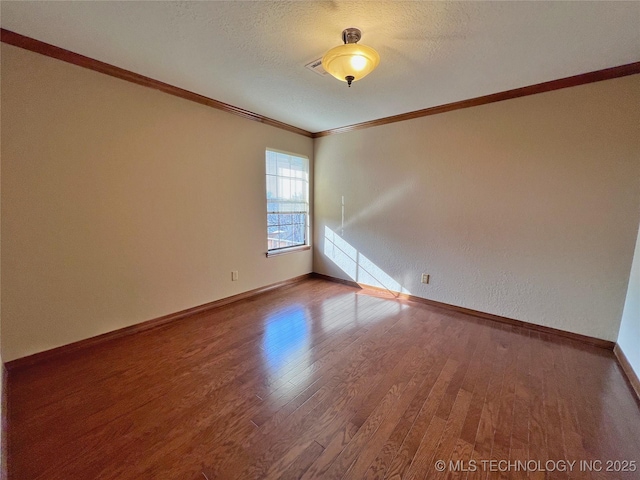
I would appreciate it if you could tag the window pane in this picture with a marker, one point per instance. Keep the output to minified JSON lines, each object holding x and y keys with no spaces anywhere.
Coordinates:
{"x":284,"y":219}
{"x":284,"y":164}
{"x":271,"y":163}
{"x":298,"y":233}
{"x":272,"y":191}
{"x":287,"y":199}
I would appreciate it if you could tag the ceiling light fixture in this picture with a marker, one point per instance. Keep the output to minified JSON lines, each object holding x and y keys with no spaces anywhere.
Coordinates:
{"x":350,"y":62}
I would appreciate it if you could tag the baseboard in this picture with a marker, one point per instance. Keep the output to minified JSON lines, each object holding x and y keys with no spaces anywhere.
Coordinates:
{"x":47,"y":355}
{"x":598,"y":342}
{"x":630,"y":374}
{"x":350,"y":283}
{"x":4,"y":419}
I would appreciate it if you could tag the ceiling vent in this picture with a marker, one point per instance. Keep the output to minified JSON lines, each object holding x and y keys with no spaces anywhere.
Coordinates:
{"x":316,"y":67}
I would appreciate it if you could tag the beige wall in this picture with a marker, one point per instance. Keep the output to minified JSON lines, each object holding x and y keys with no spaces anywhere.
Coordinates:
{"x":121,"y":204}
{"x":526,"y":208}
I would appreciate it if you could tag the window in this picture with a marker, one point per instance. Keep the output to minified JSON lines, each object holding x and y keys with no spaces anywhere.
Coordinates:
{"x":287,"y":201}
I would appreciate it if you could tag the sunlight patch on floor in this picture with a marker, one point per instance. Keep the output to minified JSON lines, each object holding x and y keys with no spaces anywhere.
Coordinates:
{"x":357,"y":266}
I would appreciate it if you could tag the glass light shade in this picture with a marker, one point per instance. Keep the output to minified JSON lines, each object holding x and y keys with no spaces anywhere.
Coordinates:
{"x":350,"y":59}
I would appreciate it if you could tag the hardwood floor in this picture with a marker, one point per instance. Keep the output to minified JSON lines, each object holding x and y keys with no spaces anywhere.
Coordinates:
{"x":321,"y":380}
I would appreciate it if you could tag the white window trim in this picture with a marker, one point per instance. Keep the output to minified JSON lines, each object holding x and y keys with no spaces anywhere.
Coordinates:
{"x":307,"y":245}
{"x":284,"y":251}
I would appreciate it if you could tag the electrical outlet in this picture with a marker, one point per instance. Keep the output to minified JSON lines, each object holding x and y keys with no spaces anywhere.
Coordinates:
{"x":425,"y":278}
{"x":234,"y":275}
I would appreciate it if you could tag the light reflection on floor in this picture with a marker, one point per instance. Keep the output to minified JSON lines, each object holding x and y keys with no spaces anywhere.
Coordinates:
{"x":289,"y":334}
{"x":363,"y":311}
{"x":286,"y":337}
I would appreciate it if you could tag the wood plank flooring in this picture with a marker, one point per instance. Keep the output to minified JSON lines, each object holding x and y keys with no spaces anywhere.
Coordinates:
{"x":322,"y":380}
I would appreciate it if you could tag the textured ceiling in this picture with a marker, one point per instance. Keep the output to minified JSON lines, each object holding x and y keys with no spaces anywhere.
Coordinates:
{"x":252,"y":54}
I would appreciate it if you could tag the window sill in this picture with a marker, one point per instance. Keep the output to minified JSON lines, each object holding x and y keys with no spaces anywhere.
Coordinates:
{"x":284,"y":251}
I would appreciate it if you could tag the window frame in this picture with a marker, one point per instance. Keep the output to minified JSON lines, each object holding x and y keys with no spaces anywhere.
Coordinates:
{"x":307,"y":232}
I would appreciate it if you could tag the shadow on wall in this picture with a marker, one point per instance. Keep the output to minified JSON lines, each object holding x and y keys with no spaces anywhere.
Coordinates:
{"x":358,"y":267}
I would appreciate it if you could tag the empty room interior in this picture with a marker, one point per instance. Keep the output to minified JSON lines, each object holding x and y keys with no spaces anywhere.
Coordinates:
{"x":320,"y":239}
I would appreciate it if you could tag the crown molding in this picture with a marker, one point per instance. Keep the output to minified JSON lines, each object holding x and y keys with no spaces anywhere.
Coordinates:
{"x":31,"y":44}
{"x":28,"y":43}
{"x":582,"y":79}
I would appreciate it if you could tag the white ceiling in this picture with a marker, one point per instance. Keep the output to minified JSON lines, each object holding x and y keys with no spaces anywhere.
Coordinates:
{"x":252,"y":54}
